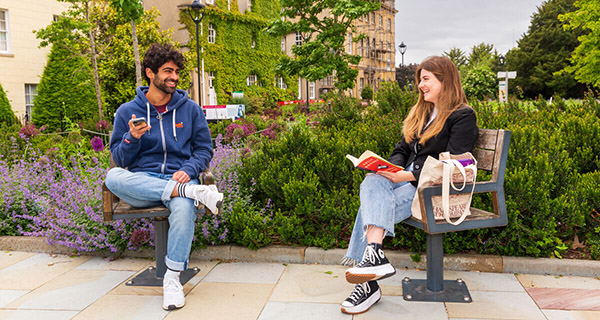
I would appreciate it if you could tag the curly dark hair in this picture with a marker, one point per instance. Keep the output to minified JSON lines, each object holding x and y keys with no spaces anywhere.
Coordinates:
{"x":159,"y":54}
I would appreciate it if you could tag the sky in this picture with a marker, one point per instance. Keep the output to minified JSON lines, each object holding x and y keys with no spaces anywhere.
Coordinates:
{"x":430,"y":27}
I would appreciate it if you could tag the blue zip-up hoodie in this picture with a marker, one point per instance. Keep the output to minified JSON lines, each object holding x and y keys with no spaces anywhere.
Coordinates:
{"x":178,"y":140}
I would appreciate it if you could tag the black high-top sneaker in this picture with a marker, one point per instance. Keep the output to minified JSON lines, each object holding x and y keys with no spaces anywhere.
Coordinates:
{"x":362,"y":298}
{"x":374,"y":266}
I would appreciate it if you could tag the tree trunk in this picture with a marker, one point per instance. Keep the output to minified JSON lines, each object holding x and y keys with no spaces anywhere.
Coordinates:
{"x":95,"y":66}
{"x":136,"y":54}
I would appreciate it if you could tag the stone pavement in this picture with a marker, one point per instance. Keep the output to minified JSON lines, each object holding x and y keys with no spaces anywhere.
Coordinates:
{"x":54,"y":286}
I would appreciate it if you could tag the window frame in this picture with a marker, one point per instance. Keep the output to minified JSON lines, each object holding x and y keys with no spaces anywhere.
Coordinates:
{"x":212,"y":34}
{"x":6,"y":31}
{"x":251,"y":80}
{"x":30,"y":94}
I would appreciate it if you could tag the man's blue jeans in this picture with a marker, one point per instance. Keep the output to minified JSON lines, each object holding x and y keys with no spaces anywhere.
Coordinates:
{"x":382,"y":204}
{"x":147,"y":189}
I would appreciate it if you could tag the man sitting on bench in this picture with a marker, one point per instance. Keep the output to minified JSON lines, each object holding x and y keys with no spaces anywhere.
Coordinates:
{"x":162,"y":165}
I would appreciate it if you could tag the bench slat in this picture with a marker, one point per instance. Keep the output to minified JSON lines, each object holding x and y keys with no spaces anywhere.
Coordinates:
{"x":485,"y":159}
{"x":487,"y":139}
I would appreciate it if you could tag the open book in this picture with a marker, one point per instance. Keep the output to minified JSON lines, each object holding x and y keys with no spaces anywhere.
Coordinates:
{"x":372,"y":162}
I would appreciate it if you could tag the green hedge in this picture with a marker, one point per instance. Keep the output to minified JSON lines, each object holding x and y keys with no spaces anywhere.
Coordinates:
{"x":551,"y":180}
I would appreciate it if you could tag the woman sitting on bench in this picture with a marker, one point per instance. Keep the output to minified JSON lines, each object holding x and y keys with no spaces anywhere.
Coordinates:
{"x":440,"y":121}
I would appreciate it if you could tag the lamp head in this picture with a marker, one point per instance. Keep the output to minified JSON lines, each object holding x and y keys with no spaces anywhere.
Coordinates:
{"x":402,"y":47}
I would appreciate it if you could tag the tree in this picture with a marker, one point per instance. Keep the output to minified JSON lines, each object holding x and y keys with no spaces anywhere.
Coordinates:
{"x":65,"y":90}
{"x":586,"y":56}
{"x":481,"y":53}
{"x":77,"y":30}
{"x":7,"y":116}
{"x":543,"y":51}
{"x":116,"y":65}
{"x":132,"y":10}
{"x":480,"y":82}
{"x":405,"y":75}
{"x":323,"y":26}
{"x":457,"y":56}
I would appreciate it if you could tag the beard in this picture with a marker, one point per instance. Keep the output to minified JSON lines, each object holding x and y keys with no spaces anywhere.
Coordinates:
{"x":162,"y":86}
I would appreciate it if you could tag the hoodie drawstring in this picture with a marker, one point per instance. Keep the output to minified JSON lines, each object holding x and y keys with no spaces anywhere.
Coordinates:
{"x":148,"y":113}
{"x":174,"y":130}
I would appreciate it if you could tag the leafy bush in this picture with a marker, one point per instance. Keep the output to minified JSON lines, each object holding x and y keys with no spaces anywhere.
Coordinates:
{"x":367,"y":93}
{"x":66,"y":91}
{"x":480,"y":83}
{"x":7,"y":116}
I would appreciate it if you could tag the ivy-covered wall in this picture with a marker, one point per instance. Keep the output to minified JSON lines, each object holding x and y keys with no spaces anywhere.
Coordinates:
{"x":232,"y":57}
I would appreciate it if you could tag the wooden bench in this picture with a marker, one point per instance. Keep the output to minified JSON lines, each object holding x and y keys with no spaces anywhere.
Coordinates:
{"x":117,"y":209}
{"x":491,"y":152}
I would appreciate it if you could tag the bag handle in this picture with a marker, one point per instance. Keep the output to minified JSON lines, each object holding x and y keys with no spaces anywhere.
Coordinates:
{"x":448,"y":168}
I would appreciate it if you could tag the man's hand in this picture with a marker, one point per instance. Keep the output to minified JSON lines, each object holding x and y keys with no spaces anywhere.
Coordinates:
{"x":399,"y":176}
{"x":138,"y":131}
{"x":181,"y":177}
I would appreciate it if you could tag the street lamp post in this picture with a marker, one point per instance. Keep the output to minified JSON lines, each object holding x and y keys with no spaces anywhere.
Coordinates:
{"x":402,"y":48}
{"x":195,"y":10}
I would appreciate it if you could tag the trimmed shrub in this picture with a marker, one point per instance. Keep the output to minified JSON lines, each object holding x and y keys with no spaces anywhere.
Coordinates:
{"x":7,"y":116}
{"x":66,"y":90}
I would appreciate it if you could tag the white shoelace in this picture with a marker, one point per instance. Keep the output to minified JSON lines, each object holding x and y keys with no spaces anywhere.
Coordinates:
{"x":359,"y":291}
{"x":369,"y":256}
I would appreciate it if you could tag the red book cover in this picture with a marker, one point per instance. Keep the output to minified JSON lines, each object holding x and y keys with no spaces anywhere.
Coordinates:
{"x":372,"y":162}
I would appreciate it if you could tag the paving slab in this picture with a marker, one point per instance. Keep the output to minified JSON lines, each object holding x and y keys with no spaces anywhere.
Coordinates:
{"x":130,"y":307}
{"x":394,"y":308}
{"x":37,"y":314}
{"x":245,"y":272}
{"x":543,"y":281}
{"x":74,"y":290}
{"x":571,"y":315}
{"x":496,"y":305}
{"x":7,"y":296}
{"x":312,"y":284}
{"x":36,"y":270}
{"x":224,"y":301}
{"x":566,"y":299}
{"x":302,"y":311}
{"x":567,"y":267}
{"x":121,"y":264}
{"x":8,"y":258}
{"x":486,"y":281}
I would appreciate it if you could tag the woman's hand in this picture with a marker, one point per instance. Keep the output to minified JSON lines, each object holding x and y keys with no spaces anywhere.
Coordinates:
{"x":396,"y":177}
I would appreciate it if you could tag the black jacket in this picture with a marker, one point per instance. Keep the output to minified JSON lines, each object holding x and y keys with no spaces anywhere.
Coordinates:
{"x":458,"y":136}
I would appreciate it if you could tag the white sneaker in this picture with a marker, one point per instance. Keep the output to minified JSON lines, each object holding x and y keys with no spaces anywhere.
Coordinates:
{"x":173,"y":297}
{"x":209,"y":196}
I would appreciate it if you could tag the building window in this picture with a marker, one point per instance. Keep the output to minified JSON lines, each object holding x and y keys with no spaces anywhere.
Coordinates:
{"x":298,"y":38}
{"x":373,"y":17}
{"x":349,"y":43}
{"x":389,"y":22}
{"x":328,"y":81}
{"x":30,"y":94}
{"x":280,"y":83}
{"x":4,"y":32}
{"x":251,"y":80}
{"x":253,"y":44}
{"x":212,"y":33}
{"x":283,"y":44}
{"x":361,"y":84}
{"x":249,"y":5}
{"x":211,"y":79}
{"x":381,"y":21}
{"x":367,"y":18}
{"x":360,"y":47}
{"x":311,"y":90}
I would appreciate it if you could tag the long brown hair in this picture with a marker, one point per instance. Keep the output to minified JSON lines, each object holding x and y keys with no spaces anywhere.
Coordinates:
{"x":451,"y":98}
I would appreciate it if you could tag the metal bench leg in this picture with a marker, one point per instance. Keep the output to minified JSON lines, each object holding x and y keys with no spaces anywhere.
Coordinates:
{"x":435,"y":288}
{"x":152,"y":276}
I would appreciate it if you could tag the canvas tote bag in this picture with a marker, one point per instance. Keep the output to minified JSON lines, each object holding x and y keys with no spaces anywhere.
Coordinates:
{"x":447,"y":172}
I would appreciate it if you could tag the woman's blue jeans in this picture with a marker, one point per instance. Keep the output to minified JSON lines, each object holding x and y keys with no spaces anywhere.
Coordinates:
{"x":382,"y":204}
{"x":147,"y":189}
